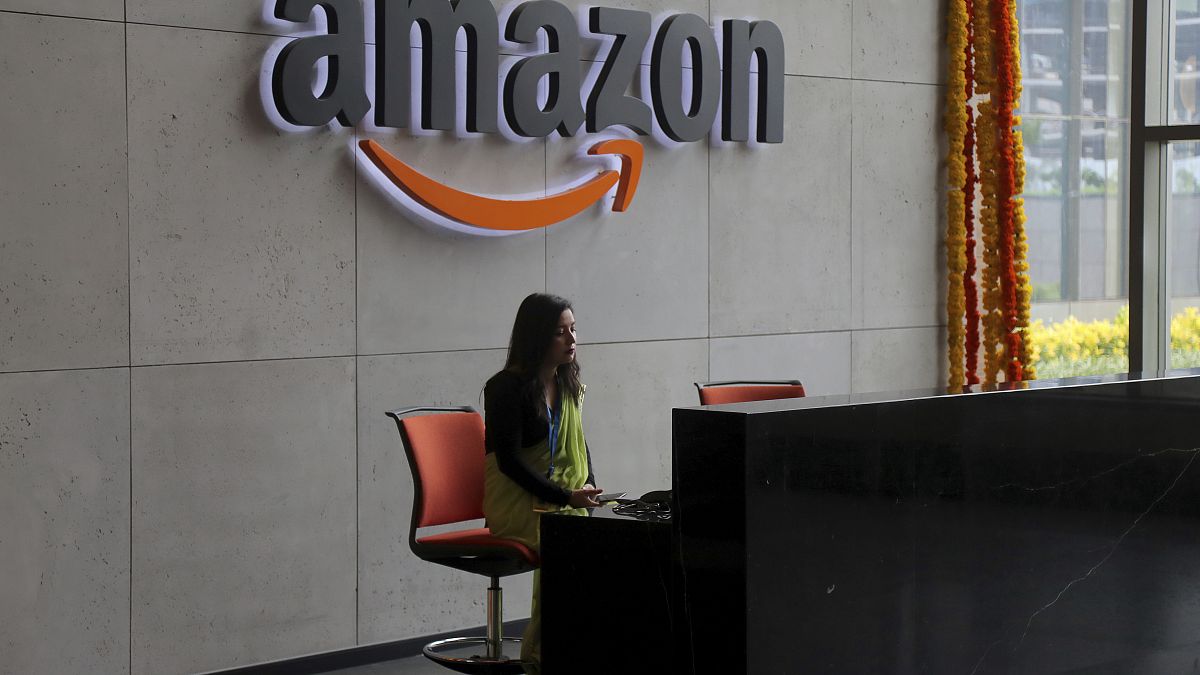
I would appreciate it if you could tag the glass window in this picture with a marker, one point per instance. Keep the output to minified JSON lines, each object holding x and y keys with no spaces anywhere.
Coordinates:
{"x":1103,"y":210}
{"x":1183,"y":254}
{"x":1045,"y":202}
{"x":1185,"y":61}
{"x":1045,"y":56}
{"x":1075,"y":123}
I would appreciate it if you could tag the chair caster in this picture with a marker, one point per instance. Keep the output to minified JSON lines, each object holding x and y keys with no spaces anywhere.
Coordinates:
{"x":467,"y":655}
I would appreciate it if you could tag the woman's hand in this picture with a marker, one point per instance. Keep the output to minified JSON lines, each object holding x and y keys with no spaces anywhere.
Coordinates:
{"x":585,"y":497}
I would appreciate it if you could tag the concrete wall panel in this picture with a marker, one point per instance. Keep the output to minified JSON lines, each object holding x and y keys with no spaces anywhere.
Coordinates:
{"x":424,"y":288}
{"x":631,"y":389}
{"x":242,"y":235}
{"x":899,"y":259}
{"x":820,"y":360}
{"x":243,"y":513}
{"x":780,"y":243}
{"x":400,"y":595}
{"x":906,"y":358}
{"x":64,"y":493}
{"x":641,"y":274}
{"x":111,"y":10}
{"x":63,"y":179}
{"x":816,"y":34}
{"x":900,"y":40}
{"x":242,"y":16}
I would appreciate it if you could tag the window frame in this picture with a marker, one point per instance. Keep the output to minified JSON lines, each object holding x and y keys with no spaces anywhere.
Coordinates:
{"x":1150,"y":136}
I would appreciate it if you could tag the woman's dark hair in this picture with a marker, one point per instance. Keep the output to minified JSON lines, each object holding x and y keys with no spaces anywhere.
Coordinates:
{"x":533,"y":331}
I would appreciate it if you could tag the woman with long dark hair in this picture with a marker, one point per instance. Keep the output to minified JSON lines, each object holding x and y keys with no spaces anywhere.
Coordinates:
{"x":537,"y":458}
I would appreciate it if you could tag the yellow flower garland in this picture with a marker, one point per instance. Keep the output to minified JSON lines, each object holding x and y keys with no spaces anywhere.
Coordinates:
{"x":1024,"y":290}
{"x":956,"y":237}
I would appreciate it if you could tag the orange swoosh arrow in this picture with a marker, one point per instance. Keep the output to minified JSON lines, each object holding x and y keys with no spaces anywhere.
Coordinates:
{"x":516,"y":214}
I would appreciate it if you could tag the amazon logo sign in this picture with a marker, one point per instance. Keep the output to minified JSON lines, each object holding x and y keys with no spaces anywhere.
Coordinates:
{"x":726,"y":80}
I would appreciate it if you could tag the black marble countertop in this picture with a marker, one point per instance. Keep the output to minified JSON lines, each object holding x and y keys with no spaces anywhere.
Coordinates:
{"x":1050,"y":527}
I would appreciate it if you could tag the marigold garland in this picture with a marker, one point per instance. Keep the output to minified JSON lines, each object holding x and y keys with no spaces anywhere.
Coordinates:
{"x":984,"y":58}
{"x":1024,"y":288}
{"x":956,"y":129}
{"x":1006,"y":186}
{"x":971,"y":291}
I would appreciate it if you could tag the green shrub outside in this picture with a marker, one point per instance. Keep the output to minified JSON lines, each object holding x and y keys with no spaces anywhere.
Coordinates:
{"x":1072,"y":348}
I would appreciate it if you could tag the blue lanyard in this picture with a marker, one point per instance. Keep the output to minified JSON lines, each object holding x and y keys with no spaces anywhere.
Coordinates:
{"x":553,"y":435}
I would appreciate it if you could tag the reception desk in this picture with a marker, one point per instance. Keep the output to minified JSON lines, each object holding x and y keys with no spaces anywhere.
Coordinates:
{"x":1052,"y":529}
{"x":609,"y":583}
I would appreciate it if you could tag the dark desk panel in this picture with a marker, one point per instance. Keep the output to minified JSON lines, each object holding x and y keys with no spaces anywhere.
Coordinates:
{"x":1048,"y":530}
{"x":607,"y":596}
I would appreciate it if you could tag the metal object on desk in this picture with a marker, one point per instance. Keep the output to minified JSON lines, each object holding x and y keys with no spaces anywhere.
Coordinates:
{"x":652,"y":506}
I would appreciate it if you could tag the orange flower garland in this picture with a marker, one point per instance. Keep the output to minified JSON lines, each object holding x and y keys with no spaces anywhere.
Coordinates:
{"x":1003,"y":96}
{"x":956,"y":199}
{"x":1024,"y":288}
{"x":983,"y":40}
{"x":971,"y":292}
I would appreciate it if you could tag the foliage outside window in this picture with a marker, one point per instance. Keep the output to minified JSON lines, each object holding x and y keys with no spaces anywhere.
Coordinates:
{"x":1072,"y":347}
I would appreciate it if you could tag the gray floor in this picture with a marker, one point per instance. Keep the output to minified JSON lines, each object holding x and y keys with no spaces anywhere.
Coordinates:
{"x":414,"y":665}
{"x":420,"y":665}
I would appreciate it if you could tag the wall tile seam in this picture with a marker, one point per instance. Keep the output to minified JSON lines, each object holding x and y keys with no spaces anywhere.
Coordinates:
{"x":357,"y":429}
{"x":708,"y":219}
{"x":76,"y":369}
{"x":208,"y":29}
{"x":886,"y":329}
{"x":172,"y":364}
{"x":939,"y":85}
{"x":583,"y":344}
{"x":129,"y":312}
{"x":605,"y":343}
{"x":143,"y":366}
{"x":838,"y":331}
{"x":709,"y":248}
{"x":40,"y":15}
{"x":856,"y":288}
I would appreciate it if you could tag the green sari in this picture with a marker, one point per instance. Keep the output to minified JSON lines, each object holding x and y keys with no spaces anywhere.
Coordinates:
{"x":513,"y":513}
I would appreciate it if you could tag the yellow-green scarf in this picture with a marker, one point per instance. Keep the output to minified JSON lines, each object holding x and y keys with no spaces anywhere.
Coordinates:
{"x":511,"y":511}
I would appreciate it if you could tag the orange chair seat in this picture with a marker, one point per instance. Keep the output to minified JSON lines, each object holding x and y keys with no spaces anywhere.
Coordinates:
{"x":747,"y":393}
{"x":482,"y":538}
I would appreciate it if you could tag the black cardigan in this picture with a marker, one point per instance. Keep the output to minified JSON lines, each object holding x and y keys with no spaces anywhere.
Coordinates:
{"x":513,"y":423}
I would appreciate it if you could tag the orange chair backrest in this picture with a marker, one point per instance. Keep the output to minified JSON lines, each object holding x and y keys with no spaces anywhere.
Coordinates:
{"x":448,"y":454}
{"x":742,"y":393}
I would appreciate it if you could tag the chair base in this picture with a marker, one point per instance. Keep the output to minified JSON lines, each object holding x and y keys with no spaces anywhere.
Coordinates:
{"x":465,"y":655}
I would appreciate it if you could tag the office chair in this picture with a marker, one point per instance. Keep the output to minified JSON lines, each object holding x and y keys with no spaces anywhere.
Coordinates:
{"x":446,"y":455}
{"x":741,"y":391}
